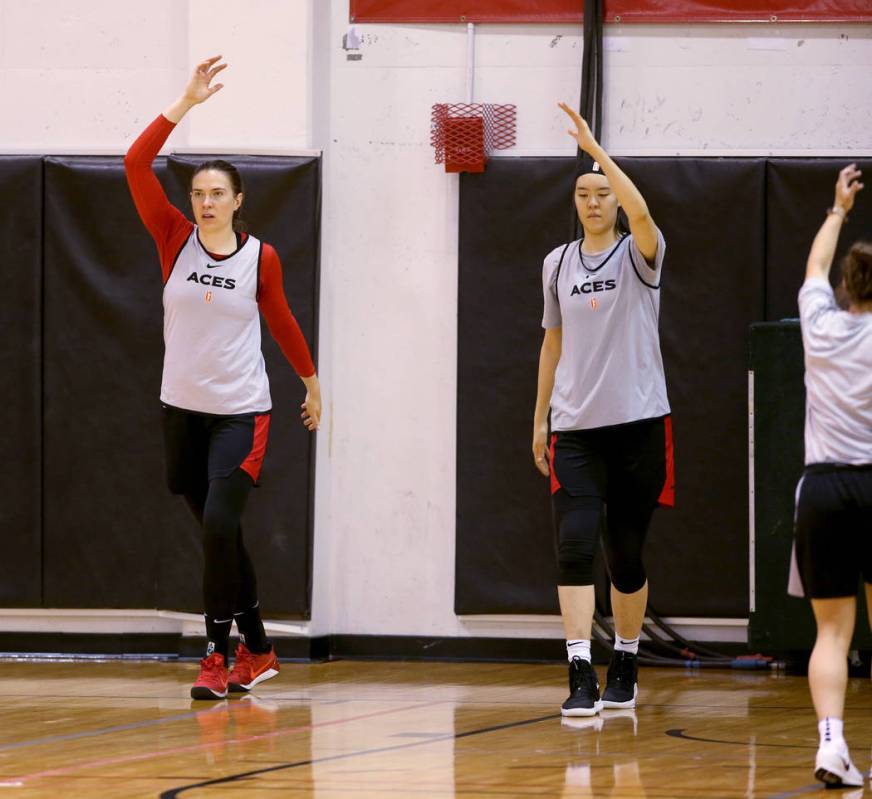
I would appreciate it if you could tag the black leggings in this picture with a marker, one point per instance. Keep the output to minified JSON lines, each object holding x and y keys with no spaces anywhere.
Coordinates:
{"x":582,"y":522}
{"x":606,"y":484}
{"x":211,"y":461}
{"x":229,"y":581}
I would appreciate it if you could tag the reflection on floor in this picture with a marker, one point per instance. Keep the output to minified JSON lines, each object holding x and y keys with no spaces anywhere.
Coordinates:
{"x":354,"y":729}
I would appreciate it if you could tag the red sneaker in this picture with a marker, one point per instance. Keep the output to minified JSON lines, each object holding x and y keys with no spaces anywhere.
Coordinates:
{"x":250,"y":669}
{"x":211,"y":683}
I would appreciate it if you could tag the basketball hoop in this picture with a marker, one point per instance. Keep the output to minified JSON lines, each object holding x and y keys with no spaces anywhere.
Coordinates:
{"x":465,"y":134}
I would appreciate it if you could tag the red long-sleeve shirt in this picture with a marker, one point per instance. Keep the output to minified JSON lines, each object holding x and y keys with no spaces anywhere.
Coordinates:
{"x":170,"y":229}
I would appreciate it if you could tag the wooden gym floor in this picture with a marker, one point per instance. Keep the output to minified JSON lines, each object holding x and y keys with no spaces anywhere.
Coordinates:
{"x":370,"y":729}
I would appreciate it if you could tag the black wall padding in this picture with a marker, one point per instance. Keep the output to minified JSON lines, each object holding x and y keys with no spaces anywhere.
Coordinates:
{"x":510,"y":218}
{"x":20,"y":353}
{"x":799,"y":192}
{"x":779,"y":621}
{"x":114,"y":537}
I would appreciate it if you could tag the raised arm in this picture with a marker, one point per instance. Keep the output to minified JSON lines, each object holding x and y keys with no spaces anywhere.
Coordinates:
{"x":641,"y":224}
{"x":284,"y":329}
{"x":167,"y":225}
{"x":820,"y":259}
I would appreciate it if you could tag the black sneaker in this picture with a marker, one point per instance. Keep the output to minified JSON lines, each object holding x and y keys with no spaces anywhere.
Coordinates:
{"x":584,"y":698}
{"x":621,"y":681}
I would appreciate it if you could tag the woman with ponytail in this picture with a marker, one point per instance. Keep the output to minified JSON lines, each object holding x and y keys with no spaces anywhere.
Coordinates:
{"x":833,"y":550}
{"x":215,"y":394}
{"x":601,"y":377}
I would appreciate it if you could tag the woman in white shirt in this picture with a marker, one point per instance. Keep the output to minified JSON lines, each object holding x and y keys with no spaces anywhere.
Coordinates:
{"x":834,"y":496}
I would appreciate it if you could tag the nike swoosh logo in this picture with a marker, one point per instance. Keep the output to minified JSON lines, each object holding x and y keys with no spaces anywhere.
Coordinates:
{"x":213,"y":266}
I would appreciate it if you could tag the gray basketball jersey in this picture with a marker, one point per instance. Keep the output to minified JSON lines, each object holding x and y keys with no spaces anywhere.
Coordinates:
{"x":608,"y":306}
{"x":213,"y":363}
{"x":838,"y":378}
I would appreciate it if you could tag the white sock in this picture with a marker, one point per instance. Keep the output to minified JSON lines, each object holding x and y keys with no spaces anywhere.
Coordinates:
{"x":578,"y":649}
{"x":625,"y":645}
{"x":578,"y":776}
{"x":831,"y":729}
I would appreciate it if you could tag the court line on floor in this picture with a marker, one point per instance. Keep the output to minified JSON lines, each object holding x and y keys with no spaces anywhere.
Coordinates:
{"x":811,"y":789}
{"x":181,"y":717}
{"x":74,"y":736}
{"x":679,"y":733}
{"x":25,"y":778}
{"x":176,"y":792}
{"x":137,"y":725}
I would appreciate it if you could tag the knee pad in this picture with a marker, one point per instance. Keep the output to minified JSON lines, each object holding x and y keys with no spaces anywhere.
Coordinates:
{"x":627,"y":575}
{"x":574,"y":563}
{"x":578,"y":524}
{"x":623,"y":543}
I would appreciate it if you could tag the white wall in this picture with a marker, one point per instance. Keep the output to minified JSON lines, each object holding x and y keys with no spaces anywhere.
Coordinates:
{"x":88,"y":76}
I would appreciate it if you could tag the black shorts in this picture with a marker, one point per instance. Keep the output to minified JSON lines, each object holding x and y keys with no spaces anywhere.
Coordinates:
{"x":627,"y":465}
{"x":200,"y":447}
{"x":834,"y":529}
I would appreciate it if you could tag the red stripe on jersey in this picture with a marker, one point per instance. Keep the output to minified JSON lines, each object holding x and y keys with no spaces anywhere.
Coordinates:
{"x":555,"y":483}
{"x":251,"y":465}
{"x":667,"y":495}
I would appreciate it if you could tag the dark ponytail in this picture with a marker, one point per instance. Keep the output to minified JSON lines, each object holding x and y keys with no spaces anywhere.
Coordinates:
{"x":622,"y":224}
{"x":239,"y":224}
{"x":857,"y":272}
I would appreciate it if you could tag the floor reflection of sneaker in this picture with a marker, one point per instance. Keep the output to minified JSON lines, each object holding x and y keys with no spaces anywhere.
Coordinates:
{"x":255,"y":720}
{"x":627,"y":779}
{"x":257,"y":706}
{"x":577,"y":775}
{"x":594,"y":723}
{"x":833,"y":766}
{"x":584,"y":698}
{"x":627,"y":716}
{"x":621,"y":681}
{"x":254,"y":713}
{"x":251,"y":669}
{"x":211,"y":683}
{"x":213,"y":723}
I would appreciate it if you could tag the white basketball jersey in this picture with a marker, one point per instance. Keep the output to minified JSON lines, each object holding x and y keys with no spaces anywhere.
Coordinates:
{"x":608,"y":306}
{"x":213,"y":363}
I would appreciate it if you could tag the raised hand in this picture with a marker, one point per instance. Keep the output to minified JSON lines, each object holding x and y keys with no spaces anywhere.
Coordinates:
{"x":582,"y":133}
{"x":847,"y":187}
{"x":198,"y":89}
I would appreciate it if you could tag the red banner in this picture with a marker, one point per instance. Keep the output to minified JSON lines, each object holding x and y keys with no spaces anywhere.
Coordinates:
{"x":615,"y":10}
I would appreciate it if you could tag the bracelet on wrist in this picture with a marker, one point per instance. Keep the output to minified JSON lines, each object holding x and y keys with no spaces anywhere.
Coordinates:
{"x":836,"y":211}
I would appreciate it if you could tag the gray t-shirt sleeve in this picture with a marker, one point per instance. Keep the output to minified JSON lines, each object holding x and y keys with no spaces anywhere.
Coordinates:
{"x":648,"y":274}
{"x":818,"y":310}
{"x":551,"y":316}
